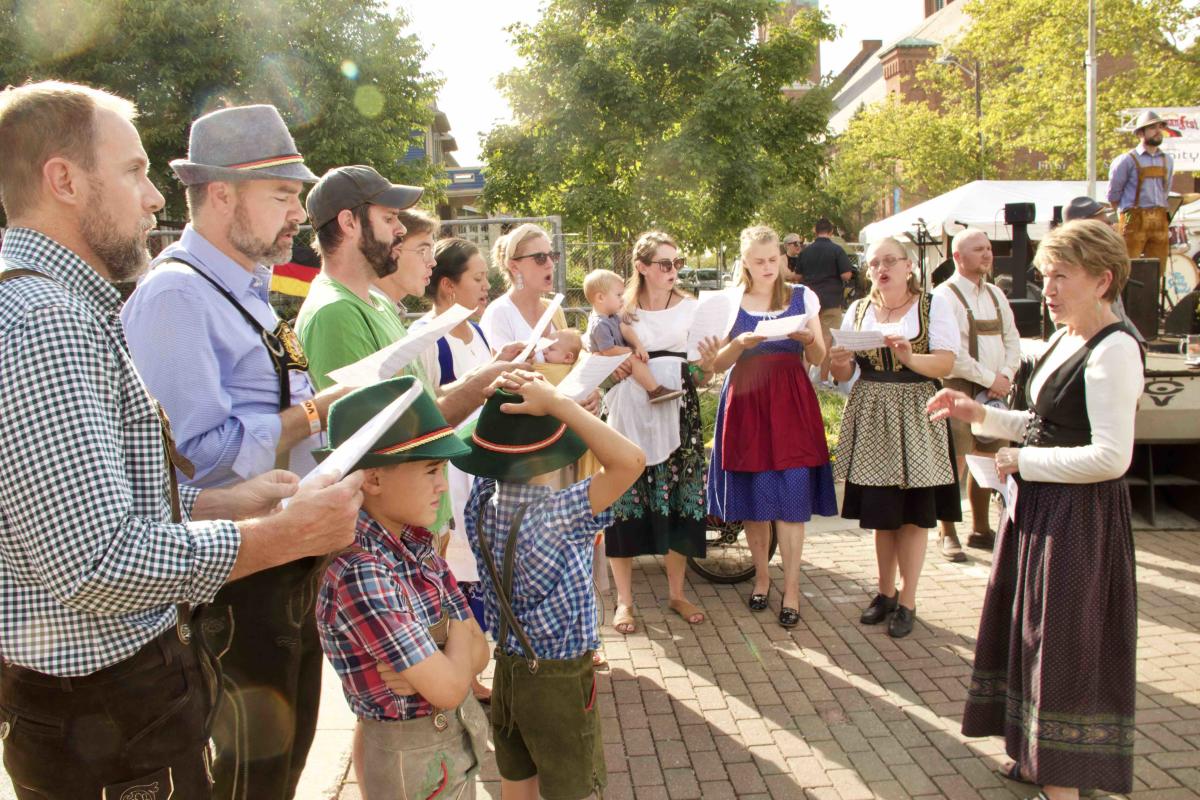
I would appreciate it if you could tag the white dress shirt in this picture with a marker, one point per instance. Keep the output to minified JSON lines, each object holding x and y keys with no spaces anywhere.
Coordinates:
{"x":997,"y":354}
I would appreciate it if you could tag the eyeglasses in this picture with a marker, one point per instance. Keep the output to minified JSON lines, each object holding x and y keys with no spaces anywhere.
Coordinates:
{"x":540,"y":258}
{"x":887,"y":261}
{"x":424,"y":251}
{"x":666,"y":264}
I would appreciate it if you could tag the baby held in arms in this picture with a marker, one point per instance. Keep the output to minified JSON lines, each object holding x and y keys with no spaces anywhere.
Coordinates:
{"x":610,"y":335}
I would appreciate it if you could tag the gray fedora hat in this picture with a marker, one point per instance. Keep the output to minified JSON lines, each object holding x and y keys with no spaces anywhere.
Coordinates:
{"x":1086,"y":208}
{"x":243,"y":143}
{"x":1145,"y":118}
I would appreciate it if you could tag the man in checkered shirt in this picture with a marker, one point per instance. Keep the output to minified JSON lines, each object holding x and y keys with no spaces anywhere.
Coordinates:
{"x":103,"y":689}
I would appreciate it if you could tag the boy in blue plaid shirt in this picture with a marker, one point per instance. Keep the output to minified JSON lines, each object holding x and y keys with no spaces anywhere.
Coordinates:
{"x":534,"y":547}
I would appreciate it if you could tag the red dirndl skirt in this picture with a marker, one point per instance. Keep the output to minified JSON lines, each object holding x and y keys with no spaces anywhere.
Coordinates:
{"x":772,"y":417}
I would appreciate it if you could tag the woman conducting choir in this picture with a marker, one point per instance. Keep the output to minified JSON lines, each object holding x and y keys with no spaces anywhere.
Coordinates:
{"x":1054,"y":660}
{"x":898,"y":466}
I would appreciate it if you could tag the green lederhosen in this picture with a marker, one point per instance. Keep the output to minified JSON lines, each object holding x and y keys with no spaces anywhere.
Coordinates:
{"x":544,"y":717}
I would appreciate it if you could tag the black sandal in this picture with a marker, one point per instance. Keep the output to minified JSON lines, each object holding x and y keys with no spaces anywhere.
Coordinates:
{"x":789,"y":617}
{"x":758,"y":602}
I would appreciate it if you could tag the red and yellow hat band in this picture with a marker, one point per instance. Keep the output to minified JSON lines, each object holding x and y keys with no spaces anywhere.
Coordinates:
{"x":273,"y":161}
{"x":518,"y":449}
{"x":424,"y":438}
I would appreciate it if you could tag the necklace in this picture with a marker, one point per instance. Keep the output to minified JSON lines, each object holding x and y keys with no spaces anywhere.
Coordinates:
{"x":891,"y":309}
{"x":665,"y":305}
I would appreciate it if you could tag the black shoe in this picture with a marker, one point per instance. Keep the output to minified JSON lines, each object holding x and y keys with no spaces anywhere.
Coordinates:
{"x":901,"y":624}
{"x":788,"y":617}
{"x":758,"y":602}
{"x":879,"y":609}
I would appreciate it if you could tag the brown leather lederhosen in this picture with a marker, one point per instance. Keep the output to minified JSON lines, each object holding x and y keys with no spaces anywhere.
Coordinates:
{"x":1145,"y":230}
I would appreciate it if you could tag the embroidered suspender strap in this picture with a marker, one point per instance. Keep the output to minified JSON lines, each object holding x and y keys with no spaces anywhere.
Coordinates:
{"x":504,"y":586}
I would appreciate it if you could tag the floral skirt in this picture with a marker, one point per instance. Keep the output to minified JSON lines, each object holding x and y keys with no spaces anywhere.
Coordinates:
{"x":665,"y":509}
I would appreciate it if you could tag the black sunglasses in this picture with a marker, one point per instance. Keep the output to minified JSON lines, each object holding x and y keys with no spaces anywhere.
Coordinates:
{"x":666,"y":264}
{"x":540,"y":258}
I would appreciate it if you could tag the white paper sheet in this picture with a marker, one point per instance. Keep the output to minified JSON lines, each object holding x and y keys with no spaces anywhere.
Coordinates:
{"x":588,"y":374}
{"x":781,"y":327}
{"x":350,"y":451}
{"x":543,"y":322}
{"x":715,"y":314}
{"x":857,"y":341}
{"x":387,"y":362}
{"x":986,"y":475}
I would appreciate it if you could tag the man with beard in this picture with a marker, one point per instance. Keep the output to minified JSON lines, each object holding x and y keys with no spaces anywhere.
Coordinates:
{"x":231,"y":376}
{"x":988,"y":358}
{"x":104,"y":689}
{"x":1138,"y":183}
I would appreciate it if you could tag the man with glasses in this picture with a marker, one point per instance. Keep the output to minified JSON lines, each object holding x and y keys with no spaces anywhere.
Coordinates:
{"x":1138,"y":183}
{"x":825,"y":268}
{"x":793,"y":246}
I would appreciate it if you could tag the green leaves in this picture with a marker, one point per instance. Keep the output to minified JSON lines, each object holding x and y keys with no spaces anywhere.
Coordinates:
{"x":345,"y":74}
{"x":664,"y":113}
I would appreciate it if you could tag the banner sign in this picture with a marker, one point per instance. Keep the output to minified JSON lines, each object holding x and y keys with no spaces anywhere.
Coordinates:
{"x":1182,"y":137}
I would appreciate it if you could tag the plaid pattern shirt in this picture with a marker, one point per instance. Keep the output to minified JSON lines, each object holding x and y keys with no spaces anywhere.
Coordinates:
{"x":552,"y":590}
{"x":90,"y":564}
{"x":377,"y":601}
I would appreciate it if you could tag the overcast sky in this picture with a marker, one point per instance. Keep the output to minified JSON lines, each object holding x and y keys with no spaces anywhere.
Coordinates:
{"x":468,"y":46}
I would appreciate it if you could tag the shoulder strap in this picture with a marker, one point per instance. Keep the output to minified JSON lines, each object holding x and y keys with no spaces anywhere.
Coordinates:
{"x":21,"y":272}
{"x":479,"y":330}
{"x":972,"y":331}
{"x":445,"y":362}
{"x":504,"y":586}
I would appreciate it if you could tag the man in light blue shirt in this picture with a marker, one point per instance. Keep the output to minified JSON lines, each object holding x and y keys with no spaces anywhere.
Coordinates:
{"x":232,"y":380}
{"x":1138,"y":184}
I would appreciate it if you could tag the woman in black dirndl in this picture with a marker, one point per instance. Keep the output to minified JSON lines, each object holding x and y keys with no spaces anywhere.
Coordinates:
{"x":898,"y":466}
{"x":1054,"y":660}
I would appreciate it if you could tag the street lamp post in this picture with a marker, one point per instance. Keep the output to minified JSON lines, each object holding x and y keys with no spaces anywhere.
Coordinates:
{"x":974,"y":75}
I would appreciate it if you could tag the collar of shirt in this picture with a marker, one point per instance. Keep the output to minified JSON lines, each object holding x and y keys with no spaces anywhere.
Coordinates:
{"x":966,"y":285}
{"x":1142,"y":151}
{"x":227,"y":272}
{"x":410,"y":543}
{"x":25,"y":247}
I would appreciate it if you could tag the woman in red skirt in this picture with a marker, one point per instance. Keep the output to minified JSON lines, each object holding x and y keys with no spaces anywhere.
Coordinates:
{"x":770,"y":462}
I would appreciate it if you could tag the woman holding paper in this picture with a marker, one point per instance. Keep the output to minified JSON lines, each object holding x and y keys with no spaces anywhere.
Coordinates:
{"x":898,"y":466}
{"x":1054,"y":659}
{"x":663,"y":513}
{"x":526,"y":261}
{"x":770,"y":461}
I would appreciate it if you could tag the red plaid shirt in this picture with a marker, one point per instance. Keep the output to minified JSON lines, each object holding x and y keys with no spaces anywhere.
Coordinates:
{"x":376,"y":603}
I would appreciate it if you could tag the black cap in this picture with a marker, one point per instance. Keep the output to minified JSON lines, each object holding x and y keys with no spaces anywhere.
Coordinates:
{"x":350,"y":187}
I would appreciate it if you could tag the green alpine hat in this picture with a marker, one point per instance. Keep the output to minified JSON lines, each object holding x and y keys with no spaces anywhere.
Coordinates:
{"x":420,"y":433}
{"x":515,"y":447}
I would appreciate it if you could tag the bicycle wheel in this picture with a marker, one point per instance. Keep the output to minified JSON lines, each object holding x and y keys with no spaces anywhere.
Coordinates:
{"x":728,"y":558}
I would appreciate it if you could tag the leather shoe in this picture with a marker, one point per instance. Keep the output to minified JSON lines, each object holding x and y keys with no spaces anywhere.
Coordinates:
{"x":982,"y":540}
{"x":901,"y":624}
{"x":788,"y":617}
{"x":950,"y":548}
{"x":758,"y":602}
{"x":879,"y":609}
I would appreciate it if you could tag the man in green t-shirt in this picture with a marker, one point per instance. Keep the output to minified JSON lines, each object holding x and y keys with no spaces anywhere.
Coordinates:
{"x":355,"y":213}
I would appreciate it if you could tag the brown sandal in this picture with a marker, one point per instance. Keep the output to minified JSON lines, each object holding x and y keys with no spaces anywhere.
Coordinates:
{"x":623,"y":621}
{"x":689,"y":611}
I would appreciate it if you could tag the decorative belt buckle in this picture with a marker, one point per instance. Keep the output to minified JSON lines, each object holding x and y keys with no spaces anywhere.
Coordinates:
{"x":440,"y":722}
{"x":184,"y":631}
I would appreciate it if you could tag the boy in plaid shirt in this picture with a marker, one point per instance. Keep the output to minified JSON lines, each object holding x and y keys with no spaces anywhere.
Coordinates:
{"x":388,"y":604}
{"x":534,"y":547}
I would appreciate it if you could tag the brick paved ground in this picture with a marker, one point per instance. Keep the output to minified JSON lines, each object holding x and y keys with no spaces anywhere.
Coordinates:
{"x":738,"y":707}
{"x":833,"y":711}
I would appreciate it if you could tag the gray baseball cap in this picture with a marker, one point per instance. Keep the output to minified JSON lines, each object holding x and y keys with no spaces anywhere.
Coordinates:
{"x":1086,"y":208}
{"x":349,"y":187}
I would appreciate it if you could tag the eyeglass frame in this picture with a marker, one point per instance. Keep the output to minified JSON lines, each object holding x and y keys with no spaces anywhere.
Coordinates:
{"x":883,"y":262}
{"x":541,"y":258}
{"x":675,"y":264}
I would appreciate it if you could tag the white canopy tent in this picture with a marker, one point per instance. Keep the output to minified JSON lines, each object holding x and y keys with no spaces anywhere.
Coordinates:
{"x":980,"y":204}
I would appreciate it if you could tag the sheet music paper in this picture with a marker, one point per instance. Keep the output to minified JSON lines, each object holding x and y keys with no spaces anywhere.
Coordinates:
{"x":857,"y":341}
{"x":987,"y":476}
{"x":716,"y":311}
{"x":781,"y":327}
{"x":540,"y":328}
{"x":350,"y":451}
{"x":588,"y":374}
{"x":388,"y":361}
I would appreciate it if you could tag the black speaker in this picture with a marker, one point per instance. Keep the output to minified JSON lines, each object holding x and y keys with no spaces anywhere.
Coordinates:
{"x":1057,"y":219}
{"x":1018,"y":212}
{"x":1141,"y":296}
{"x":1027,"y":314}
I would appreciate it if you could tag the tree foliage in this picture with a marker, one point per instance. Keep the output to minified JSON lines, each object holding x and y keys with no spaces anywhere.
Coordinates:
{"x":1030,"y":60}
{"x":632,"y":114}
{"x":344,"y":73}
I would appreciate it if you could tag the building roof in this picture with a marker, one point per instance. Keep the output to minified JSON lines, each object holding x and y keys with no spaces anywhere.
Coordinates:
{"x":867,"y":84}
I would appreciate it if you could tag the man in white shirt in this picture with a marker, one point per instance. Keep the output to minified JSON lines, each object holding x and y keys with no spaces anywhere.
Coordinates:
{"x":988,"y":357}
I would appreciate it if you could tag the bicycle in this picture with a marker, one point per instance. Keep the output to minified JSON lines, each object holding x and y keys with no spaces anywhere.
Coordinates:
{"x":728,"y":558}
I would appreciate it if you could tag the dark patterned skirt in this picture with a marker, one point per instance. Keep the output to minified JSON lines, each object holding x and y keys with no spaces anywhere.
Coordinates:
{"x":666,"y":509}
{"x":1054,"y":661}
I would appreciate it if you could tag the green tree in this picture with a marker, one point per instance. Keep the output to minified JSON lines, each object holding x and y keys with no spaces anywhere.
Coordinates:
{"x":631,"y":114}
{"x":344,"y":73}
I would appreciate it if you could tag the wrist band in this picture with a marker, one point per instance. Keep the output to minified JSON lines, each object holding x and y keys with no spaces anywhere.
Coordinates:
{"x":314,"y":417}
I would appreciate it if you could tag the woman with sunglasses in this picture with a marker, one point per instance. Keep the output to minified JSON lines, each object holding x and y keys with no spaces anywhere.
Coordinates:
{"x":898,"y":466}
{"x":664,"y":511}
{"x":770,"y":462}
{"x":526,"y":261}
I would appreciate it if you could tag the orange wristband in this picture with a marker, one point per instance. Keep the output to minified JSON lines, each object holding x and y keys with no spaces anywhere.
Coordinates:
{"x":314,"y":417}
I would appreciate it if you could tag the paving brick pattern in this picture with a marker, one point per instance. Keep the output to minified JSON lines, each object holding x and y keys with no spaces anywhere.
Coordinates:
{"x":739,"y":707}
